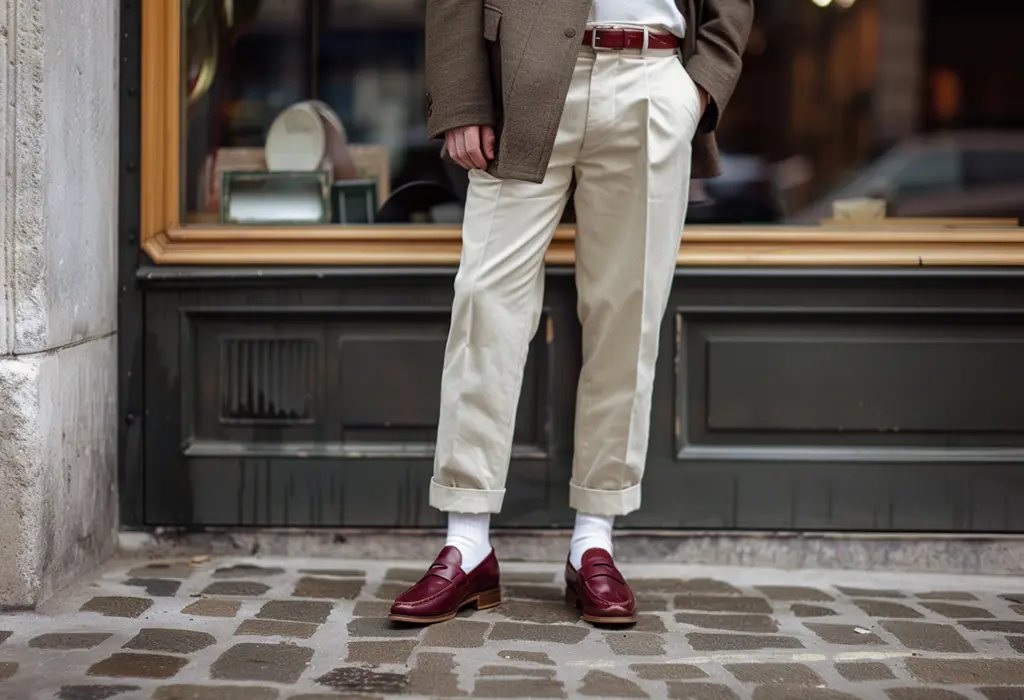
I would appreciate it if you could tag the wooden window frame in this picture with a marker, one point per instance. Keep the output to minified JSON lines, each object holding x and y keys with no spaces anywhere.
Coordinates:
{"x":167,"y":241}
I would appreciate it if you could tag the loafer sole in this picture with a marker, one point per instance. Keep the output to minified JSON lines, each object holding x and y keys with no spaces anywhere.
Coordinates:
{"x":481,"y":601}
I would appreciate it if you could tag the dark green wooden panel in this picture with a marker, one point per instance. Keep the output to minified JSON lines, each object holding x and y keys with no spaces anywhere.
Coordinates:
{"x":318,"y":405}
{"x":880,"y":379}
{"x":832,"y":495}
{"x":784,"y":399}
{"x":851,"y":377}
{"x":757,"y":425}
{"x":345,"y":382}
{"x":130,"y":312}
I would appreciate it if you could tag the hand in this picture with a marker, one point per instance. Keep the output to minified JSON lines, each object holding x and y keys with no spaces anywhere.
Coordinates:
{"x":471,"y":146}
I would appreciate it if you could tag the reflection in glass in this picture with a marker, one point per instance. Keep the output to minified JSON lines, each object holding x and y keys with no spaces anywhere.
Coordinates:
{"x":912,"y":103}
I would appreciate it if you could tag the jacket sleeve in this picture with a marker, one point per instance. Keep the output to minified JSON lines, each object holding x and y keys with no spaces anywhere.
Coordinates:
{"x":715,"y":65}
{"x":457,"y":72}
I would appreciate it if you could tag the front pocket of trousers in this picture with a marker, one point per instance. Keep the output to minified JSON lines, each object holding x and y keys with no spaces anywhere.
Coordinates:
{"x":692,"y":94}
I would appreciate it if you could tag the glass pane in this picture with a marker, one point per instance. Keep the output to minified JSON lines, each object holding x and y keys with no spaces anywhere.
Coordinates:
{"x":287,"y":98}
{"x":991,"y":166}
{"x":929,"y":172}
{"x":314,"y":111}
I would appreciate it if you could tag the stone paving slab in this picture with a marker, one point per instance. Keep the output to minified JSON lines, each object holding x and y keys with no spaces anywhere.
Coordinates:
{"x":302,"y":629}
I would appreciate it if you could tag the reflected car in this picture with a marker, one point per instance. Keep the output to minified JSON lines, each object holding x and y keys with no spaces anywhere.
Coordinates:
{"x":956,"y":175}
{"x":745,"y":193}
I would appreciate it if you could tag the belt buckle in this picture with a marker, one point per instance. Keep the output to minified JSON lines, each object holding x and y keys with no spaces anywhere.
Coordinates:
{"x":600,"y":30}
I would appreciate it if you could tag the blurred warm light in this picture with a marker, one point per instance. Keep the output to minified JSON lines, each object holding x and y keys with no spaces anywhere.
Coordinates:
{"x":947,"y":94}
{"x":840,"y":3}
{"x":757,"y":42}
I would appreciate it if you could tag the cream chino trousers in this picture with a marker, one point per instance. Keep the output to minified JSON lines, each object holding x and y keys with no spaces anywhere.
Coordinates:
{"x":626,"y":134}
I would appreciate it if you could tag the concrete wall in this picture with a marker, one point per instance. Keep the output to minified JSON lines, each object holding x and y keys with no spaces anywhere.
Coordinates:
{"x":58,"y":465}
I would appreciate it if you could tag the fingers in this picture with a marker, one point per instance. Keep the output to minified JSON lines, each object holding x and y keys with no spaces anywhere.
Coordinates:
{"x":460,"y":149}
{"x":487,"y":135}
{"x":449,"y":143}
{"x":451,"y":140}
{"x":473,"y":153}
{"x":471,"y":146}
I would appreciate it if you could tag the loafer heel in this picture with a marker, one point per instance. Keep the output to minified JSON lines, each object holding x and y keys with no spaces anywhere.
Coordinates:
{"x":572,"y":600}
{"x":489,"y":599}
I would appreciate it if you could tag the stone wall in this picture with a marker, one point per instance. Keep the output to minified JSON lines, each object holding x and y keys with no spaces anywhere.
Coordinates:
{"x":58,"y":399}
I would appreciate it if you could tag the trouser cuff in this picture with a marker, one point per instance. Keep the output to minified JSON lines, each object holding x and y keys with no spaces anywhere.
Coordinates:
{"x":596,"y":502}
{"x":455,"y":500}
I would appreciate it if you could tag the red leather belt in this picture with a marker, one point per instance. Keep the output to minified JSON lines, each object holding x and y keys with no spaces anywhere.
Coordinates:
{"x":628,"y":39}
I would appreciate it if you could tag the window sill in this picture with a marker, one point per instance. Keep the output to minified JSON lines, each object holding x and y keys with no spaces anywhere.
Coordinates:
{"x":994,"y":244}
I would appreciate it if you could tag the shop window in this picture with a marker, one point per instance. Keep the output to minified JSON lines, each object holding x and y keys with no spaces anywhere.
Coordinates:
{"x":930,"y":172}
{"x":294,"y":132}
{"x":995,"y":166}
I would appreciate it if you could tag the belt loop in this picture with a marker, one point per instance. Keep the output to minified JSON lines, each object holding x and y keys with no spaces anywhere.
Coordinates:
{"x":647,"y":41}
{"x":593,"y":38}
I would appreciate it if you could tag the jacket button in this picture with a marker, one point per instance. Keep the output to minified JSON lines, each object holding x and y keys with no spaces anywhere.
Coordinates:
{"x":570,"y":32}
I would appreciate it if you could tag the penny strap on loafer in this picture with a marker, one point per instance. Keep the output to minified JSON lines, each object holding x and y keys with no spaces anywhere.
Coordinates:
{"x":447,"y":566}
{"x":599,"y":567}
{"x":447,"y":570}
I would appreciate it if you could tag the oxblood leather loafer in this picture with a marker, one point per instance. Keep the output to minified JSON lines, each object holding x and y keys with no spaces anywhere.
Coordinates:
{"x":446,"y":589}
{"x":599,"y":591}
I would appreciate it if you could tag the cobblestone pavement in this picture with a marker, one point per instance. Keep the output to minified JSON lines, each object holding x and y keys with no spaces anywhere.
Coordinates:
{"x":263,"y":629}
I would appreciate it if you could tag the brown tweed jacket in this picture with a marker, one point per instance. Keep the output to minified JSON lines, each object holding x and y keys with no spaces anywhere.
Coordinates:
{"x":508,"y":63}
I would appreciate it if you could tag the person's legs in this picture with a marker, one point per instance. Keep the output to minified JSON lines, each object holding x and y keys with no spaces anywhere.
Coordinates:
{"x":498,"y":294}
{"x":633,"y":181}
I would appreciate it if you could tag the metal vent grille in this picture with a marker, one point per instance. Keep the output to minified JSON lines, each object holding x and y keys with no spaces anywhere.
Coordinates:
{"x":268,"y":380}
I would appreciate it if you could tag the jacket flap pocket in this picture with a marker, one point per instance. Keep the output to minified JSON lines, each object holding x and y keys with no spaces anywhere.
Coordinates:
{"x":492,"y":20}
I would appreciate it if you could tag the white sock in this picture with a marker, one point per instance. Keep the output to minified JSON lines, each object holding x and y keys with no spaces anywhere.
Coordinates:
{"x":591,"y":531}
{"x":470,"y":533}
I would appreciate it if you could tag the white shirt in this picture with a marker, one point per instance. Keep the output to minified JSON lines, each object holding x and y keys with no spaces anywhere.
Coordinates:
{"x":659,"y":15}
